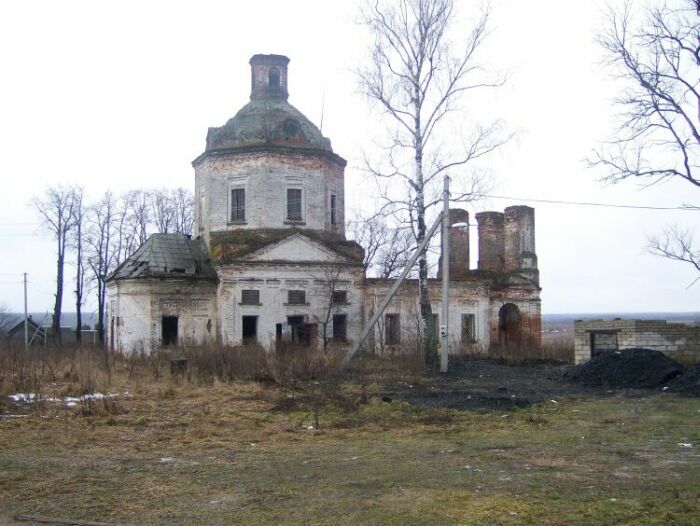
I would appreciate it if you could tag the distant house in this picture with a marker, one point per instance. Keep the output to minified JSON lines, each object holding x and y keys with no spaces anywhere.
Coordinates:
{"x":35,"y":333}
{"x":41,"y":334}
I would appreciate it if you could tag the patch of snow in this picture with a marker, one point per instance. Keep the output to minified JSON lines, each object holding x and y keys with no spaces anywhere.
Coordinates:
{"x":69,"y":401}
{"x":686,"y":445}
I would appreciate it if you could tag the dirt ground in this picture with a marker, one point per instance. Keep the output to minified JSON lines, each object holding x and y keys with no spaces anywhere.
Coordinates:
{"x":483,"y":385}
{"x":486,"y":444}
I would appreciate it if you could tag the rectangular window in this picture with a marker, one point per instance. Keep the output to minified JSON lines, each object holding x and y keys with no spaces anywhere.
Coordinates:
{"x":238,"y":204}
{"x":333,"y":216}
{"x":392,"y":329}
{"x":340,"y":328}
{"x":250,"y":329}
{"x":200,"y":216}
{"x":468,"y":328}
{"x":340,"y":297}
{"x":296,"y":297}
{"x":294,"y":204}
{"x":250,"y":297}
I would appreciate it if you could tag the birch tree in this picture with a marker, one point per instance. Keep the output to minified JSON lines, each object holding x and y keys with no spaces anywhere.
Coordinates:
{"x":418,"y":75}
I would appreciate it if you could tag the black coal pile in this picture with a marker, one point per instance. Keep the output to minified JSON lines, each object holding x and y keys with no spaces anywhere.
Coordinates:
{"x":630,"y":368}
{"x":689,"y":383}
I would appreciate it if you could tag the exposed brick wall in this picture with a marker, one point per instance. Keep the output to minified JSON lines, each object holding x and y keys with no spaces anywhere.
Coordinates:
{"x":491,"y":241}
{"x":519,"y":238}
{"x":459,"y":244}
{"x":679,"y":341}
{"x":467,"y":297}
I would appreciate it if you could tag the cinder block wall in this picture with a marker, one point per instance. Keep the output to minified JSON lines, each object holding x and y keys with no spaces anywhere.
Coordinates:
{"x":679,"y":341}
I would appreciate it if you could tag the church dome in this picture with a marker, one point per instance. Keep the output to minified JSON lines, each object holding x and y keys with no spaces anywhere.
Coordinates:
{"x":268,"y":119}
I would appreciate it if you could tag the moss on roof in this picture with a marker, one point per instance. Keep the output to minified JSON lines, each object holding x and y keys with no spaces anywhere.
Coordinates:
{"x":267,"y":122}
{"x":233,"y":245}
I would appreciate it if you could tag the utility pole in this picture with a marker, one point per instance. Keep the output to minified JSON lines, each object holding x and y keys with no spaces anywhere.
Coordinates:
{"x":444,"y":328}
{"x":26,"y":321}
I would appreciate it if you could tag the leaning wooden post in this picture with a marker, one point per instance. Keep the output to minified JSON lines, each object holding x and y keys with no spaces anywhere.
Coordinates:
{"x":392,"y":292}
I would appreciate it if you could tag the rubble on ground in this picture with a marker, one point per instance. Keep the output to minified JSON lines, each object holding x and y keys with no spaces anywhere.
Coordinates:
{"x":630,"y":368}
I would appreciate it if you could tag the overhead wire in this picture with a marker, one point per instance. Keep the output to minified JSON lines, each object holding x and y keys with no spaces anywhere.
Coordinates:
{"x":590,"y":203}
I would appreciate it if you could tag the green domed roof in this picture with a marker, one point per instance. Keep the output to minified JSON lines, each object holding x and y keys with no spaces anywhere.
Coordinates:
{"x":267,"y":122}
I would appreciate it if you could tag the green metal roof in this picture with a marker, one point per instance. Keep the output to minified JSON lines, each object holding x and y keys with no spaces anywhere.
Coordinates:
{"x":167,"y":255}
{"x":267,"y":122}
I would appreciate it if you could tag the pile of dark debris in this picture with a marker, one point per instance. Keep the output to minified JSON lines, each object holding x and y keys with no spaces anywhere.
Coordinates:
{"x":637,"y":369}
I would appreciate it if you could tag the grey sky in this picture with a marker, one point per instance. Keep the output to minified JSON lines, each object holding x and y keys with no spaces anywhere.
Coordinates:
{"x":120,"y":95}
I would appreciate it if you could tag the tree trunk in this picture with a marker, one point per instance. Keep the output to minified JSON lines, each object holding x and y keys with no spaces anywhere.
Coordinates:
{"x":79,"y":284}
{"x":59,"y":295}
{"x":429,"y":349}
{"x":101,"y":311}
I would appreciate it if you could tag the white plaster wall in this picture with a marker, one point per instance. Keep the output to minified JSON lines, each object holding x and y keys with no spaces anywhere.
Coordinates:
{"x":139,"y":305}
{"x":464,"y":299}
{"x":266,"y":178}
{"x":274,"y":281}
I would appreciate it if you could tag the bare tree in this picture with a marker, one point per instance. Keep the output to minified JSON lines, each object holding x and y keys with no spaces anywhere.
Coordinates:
{"x":102,"y":254}
{"x":417,"y":75}
{"x":77,"y":244}
{"x":172,"y":210}
{"x":6,"y":319}
{"x":183,"y":204}
{"x":329,"y":284}
{"x":56,"y":210}
{"x":676,"y":244}
{"x":655,"y":52}
{"x":657,"y":56}
{"x":387,"y":248}
{"x":139,"y":214}
{"x":162,"y":211}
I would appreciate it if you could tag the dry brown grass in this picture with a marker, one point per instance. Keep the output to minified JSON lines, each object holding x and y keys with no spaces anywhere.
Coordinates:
{"x":220,"y":445}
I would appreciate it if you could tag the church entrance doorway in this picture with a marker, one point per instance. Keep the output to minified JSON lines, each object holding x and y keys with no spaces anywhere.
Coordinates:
{"x":303,"y":333}
{"x":169,"y":330}
{"x":250,"y":330}
{"x":509,"y":326}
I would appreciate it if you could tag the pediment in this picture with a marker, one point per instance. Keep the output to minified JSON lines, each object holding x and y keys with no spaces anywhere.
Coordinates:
{"x":296,"y":248}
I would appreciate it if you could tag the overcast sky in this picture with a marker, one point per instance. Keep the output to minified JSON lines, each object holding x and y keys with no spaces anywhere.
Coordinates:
{"x":120,"y":95}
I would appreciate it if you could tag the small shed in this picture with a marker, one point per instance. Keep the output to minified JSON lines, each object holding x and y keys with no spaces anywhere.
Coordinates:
{"x":35,"y":333}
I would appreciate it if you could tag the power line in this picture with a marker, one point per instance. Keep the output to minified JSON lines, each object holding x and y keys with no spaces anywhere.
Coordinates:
{"x":586,"y":203}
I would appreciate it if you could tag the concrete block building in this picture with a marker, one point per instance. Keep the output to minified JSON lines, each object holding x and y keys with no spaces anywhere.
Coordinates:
{"x":270,"y":263}
{"x":677,"y":340}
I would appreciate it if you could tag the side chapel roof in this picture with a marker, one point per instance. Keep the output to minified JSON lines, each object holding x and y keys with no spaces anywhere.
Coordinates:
{"x":167,"y":255}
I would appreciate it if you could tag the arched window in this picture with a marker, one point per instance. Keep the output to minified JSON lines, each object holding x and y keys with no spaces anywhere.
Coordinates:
{"x":273,"y":79}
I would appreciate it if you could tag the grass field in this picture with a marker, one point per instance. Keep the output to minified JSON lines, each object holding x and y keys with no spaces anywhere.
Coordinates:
{"x":334,"y":452}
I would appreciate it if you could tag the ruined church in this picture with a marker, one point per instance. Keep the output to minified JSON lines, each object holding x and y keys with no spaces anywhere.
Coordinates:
{"x":269,"y":262}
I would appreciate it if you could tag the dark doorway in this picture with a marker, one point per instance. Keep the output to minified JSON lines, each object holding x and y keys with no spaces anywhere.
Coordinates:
{"x":169,"y":334}
{"x":340,"y":328}
{"x":603,"y":340}
{"x":302,"y":333}
{"x":250,"y":330}
{"x":392,"y":329}
{"x":509,"y":325}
